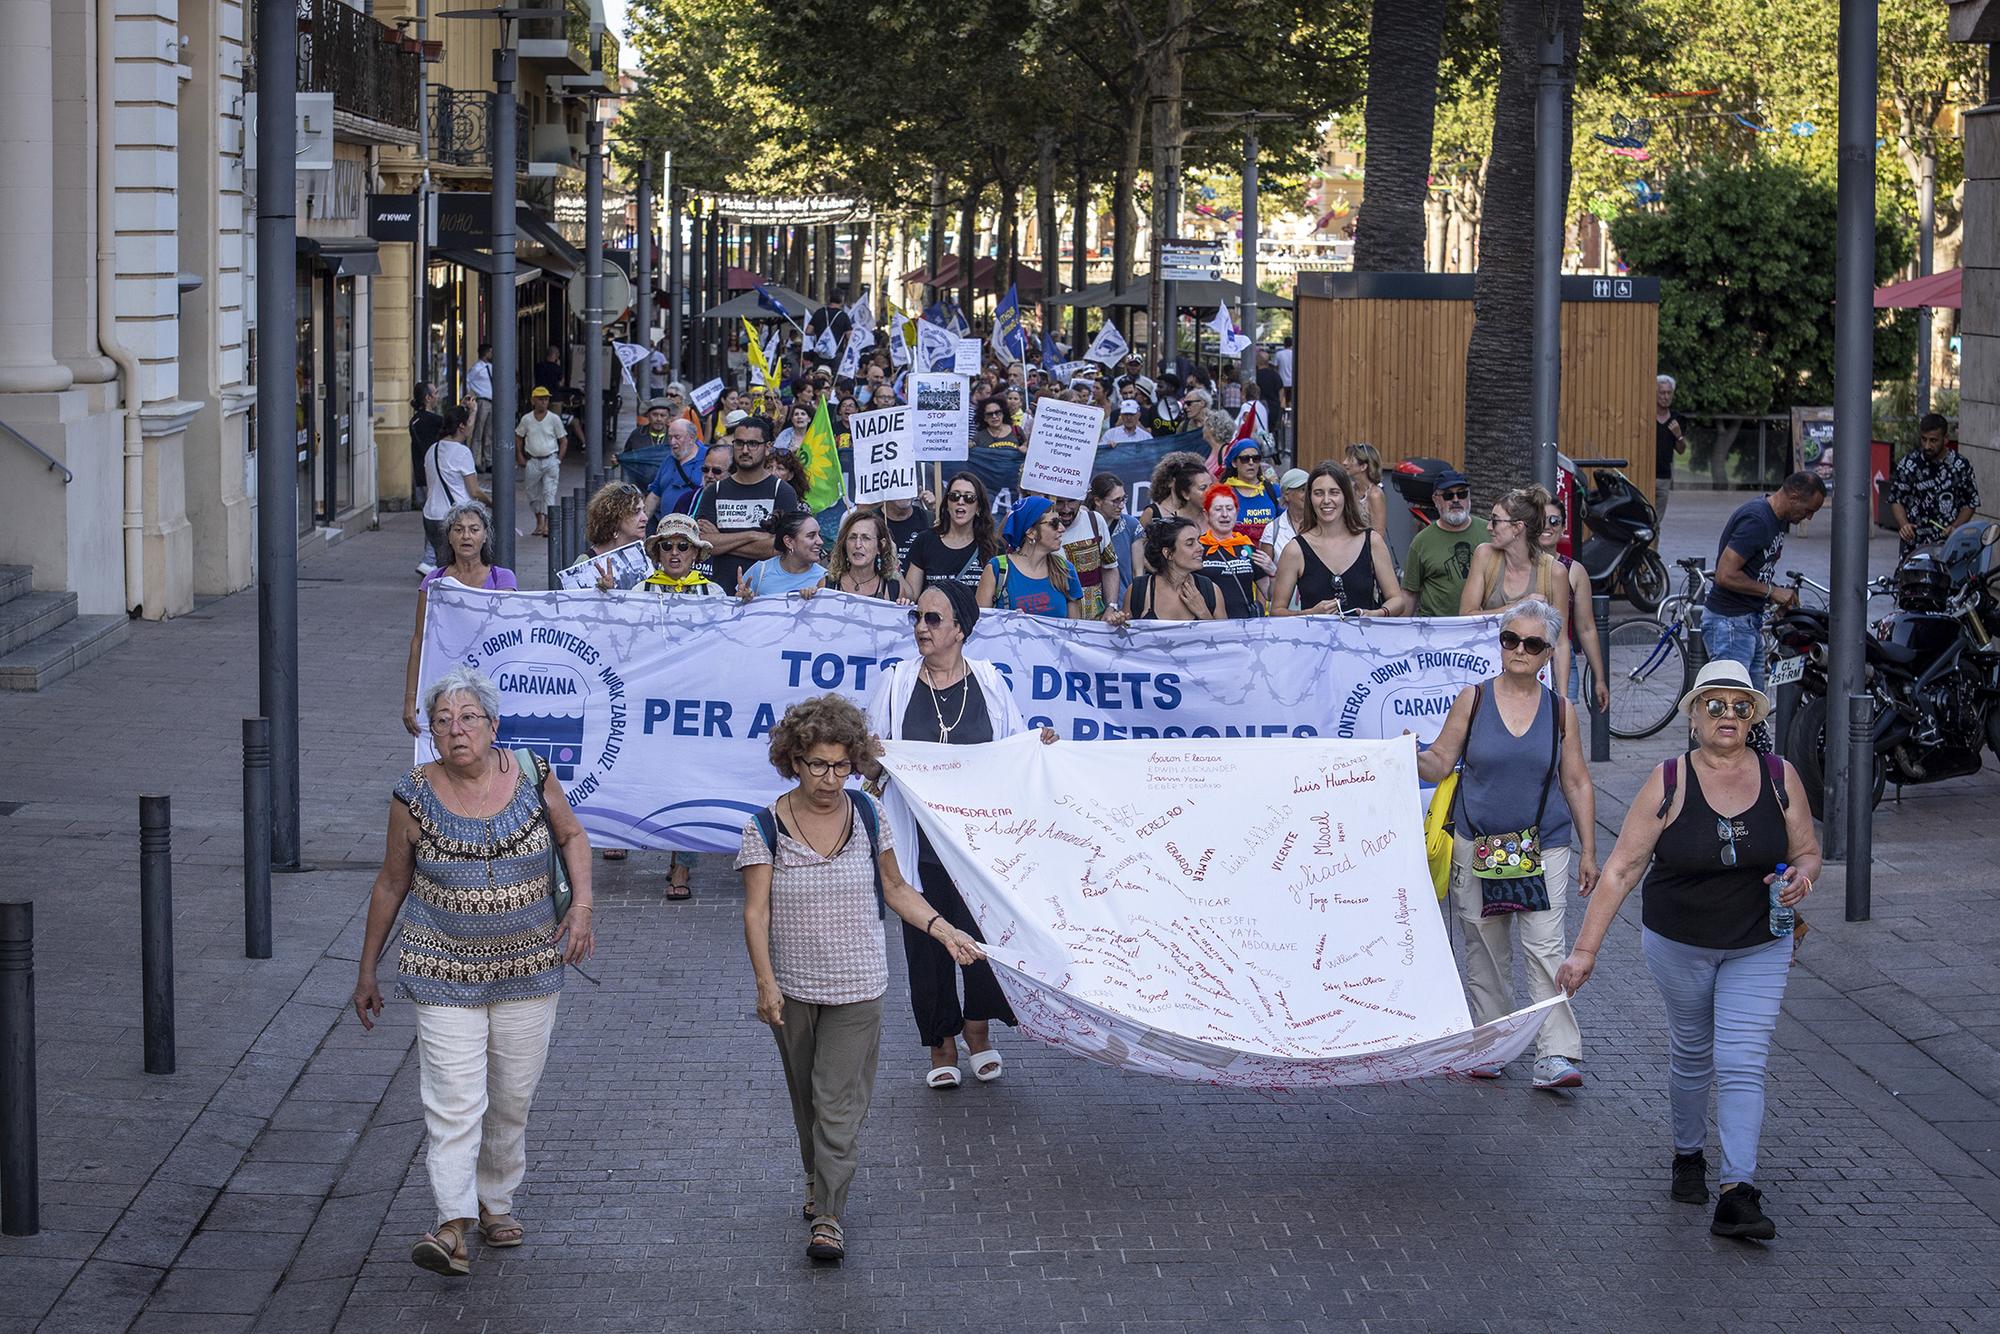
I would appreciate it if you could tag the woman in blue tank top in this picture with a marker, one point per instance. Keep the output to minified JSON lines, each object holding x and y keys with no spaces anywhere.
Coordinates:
{"x":1523,"y":766}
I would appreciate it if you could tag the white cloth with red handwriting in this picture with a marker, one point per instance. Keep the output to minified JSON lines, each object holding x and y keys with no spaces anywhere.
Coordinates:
{"x":1251,"y":913}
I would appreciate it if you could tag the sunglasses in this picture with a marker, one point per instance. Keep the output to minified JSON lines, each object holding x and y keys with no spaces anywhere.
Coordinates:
{"x":677,"y":544}
{"x":1716,"y":708}
{"x":933,"y":619}
{"x":1249,"y":458}
{"x":1456,"y":493}
{"x":1726,"y":831}
{"x":961,"y":498}
{"x":1533,"y":643}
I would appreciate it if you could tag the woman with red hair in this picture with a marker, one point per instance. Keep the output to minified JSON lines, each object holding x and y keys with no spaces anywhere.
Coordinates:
{"x":1230,"y":558}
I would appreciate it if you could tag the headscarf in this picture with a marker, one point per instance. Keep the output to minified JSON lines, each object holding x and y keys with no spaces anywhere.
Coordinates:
{"x":1022,"y":521}
{"x":964,"y":609}
{"x":1229,"y":455}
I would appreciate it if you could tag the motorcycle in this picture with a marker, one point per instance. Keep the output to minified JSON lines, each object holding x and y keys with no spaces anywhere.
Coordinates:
{"x":1619,"y":552}
{"x":1932,"y":668}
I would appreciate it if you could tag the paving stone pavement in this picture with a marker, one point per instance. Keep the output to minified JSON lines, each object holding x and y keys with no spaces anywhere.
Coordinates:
{"x":277,"y":1181}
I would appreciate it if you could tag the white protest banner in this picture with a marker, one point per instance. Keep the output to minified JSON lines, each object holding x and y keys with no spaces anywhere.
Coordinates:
{"x":1063,"y":448}
{"x":640,"y":692}
{"x":941,"y":422}
{"x":1241,"y":913}
{"x":965,"y":359}
{"x":628,"y":566}
{"x":885,"y":457}
{"x":1109,"y":347}
{"x":707,"y":396}
{"x":630,"y":354}
{"x":937,"y":347}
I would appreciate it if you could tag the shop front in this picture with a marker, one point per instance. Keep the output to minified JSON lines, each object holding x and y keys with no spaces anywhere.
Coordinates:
{"x":332,"y":381}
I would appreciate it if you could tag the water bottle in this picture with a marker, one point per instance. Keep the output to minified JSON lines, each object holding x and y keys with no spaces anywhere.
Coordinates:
{"x":1783,"y":919}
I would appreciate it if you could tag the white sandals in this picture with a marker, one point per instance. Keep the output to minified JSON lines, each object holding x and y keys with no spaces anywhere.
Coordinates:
{"x":987,"y":1066}
{"x":943,"y":1077}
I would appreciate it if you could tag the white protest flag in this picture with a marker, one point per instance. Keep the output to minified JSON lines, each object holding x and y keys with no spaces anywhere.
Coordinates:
{"x":850,"y":355}
{"x":1063,"y":448}
{"x":1243,"y":913}
{"x":861,"y":313}
{"x":630,"y":354}
{"x":1109,"y":347}
{"x":1233,"y":342}
{"x":902,"y":337}
{"x":937,"y":346}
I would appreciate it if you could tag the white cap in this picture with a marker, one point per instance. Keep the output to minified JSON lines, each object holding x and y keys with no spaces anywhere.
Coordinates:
{"x":1130,"y":405}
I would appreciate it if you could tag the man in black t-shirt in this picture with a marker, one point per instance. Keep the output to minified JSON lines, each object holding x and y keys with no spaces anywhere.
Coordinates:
{"x":1732,"y":625}
{"x":1270,"y":386}
{"x":730,"y":512}
{"x":903,"y":529}
{"x":1669,"y":439}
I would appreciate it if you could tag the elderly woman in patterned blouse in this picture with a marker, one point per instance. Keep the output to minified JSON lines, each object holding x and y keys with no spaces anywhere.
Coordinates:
{"x":818,"y":869}
{"x":468,"y":866}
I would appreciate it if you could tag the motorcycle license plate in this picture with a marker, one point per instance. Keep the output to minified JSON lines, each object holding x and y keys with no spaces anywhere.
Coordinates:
{"x":1785,"y":671}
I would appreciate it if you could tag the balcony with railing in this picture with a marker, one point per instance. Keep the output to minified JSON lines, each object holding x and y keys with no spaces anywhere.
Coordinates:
{"x":558,"y":45}
{"x":372,"y":70}
{"x":462,"y":129}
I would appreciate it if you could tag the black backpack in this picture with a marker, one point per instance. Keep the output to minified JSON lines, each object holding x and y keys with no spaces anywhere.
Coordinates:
{"x":767,"y":827}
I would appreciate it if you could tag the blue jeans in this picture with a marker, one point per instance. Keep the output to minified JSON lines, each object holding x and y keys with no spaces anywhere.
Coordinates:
{"x":1737,"y":638}
{"x":1722,"y":1006}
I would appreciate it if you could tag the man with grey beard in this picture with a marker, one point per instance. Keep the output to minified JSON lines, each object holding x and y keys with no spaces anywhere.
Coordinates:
{"x":1440,"y":555}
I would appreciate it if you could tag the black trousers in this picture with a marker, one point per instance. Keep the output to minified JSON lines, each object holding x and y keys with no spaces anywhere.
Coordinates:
{"x":933,"y":980}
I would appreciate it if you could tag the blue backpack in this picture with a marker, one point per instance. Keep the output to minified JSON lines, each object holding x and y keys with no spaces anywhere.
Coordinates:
{"x":767,"y":827}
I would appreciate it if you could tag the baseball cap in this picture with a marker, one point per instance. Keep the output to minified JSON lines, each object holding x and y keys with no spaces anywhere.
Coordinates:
{"x":1128,"y":405}
{"x":1449,"y":478}
{"x":539,"y":391}
{"x":734,"y":419}
{"x":1293,"y":479}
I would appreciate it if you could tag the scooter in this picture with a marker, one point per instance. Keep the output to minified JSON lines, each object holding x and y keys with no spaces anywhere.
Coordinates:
{"x":1619,"y":552}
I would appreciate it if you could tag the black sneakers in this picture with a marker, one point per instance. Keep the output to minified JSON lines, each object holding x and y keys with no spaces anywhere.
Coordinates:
{"x":1737,"y":1215}
{"x":1691,"y":1178}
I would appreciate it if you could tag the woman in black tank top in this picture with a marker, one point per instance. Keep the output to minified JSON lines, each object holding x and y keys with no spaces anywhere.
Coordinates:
{"x":1333,"y":533}
{"x":1714,"y":825}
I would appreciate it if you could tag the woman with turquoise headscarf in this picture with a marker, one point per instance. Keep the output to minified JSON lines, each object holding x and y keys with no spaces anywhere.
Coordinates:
{"x":1257,"y":501}
{"x":1037,"y":578}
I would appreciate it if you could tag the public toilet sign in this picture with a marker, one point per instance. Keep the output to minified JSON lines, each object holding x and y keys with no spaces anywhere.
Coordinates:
{"x":1184,"y":259}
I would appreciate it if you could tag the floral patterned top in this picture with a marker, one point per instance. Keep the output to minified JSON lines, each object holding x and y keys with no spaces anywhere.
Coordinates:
{"x":478,"y":924}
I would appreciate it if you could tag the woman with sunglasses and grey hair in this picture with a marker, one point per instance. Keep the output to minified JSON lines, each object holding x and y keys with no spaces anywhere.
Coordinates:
{"x":1724,"y":839}
{"x":472,"y":840}
{"x":468,"y":559}
{"x":1523,"y":792}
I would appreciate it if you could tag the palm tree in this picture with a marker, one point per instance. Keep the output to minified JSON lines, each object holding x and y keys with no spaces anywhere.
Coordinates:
{"x":1499,"y":392}
{"x":1404,"y":41}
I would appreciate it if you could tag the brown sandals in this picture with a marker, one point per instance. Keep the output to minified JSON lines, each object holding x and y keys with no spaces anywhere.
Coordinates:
{"x":827,"y":1244}
{"x":443,"y":1251}
{"x":500,"y":1230}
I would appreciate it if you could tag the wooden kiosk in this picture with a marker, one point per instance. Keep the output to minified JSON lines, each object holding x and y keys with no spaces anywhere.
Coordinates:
{"x":1381,"y":358}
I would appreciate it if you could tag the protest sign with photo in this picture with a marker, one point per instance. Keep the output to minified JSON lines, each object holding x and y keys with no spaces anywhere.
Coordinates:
{"x":1062,"y":449}
{"x":941,"y":416}
{"x":707,"y":396}
{"x":627,"y":565}
{"x":885,"y":460}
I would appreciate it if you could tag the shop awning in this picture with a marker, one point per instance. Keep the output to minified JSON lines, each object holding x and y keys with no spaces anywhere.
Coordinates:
{"x":530,"y":226}
{"x":1937,"y":290}
{"x":342,"y":256}
{"x":476,"y":260}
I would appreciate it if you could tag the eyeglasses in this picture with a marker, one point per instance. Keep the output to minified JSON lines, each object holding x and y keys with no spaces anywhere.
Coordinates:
{"x":677,"y":544}
{"x":1456,"y":493}
{"x":994,"y":412}
{"x":961,"y":498}
{"x":819,"y":768}
{"x":1533,"y":643}
{"x":1742,"y":708}
{"x":933,"y":619}
{"x":464,"y":722}
{"x":1726,"y":831}
{"x":1499,"y":519}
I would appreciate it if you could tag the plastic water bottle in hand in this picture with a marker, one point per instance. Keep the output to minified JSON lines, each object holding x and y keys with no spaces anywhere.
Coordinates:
{"x":1783,"y":919}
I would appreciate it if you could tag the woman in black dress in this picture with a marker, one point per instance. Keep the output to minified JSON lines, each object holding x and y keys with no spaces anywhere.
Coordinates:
{"x":963,"y":541}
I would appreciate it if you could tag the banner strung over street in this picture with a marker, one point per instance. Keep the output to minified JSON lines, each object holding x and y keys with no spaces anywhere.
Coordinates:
{"x":656,"y":711}
{"x":1241,"y":913}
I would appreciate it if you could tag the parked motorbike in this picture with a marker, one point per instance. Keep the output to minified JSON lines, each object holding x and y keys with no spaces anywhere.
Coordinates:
{"x":1619,"y":553}
{"x":1933,"y":668}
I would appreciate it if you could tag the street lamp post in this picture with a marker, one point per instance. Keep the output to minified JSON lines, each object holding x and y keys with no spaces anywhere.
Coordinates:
{"x":642,"y":264}
{"x":1549,"y":195}
{"x":593,"y":300}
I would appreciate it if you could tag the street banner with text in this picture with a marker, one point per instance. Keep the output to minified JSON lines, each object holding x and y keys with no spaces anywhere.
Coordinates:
{"x":1240,"y":913}
{"x":656,"y":711}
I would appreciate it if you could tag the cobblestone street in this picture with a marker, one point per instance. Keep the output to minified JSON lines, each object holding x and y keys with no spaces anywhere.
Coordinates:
{"x":276,"y":1181}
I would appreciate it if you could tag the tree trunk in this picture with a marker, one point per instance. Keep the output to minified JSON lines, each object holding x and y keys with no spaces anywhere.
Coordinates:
{"x":968,"y":234}
{"x":934,"y":252}
{"x":1007,"y":223}
{"x":1045,"y":223}
{"x":1166,"y":103}
{"x":1124,"y":204}
{"x":1403,"y":43}
{"x":1499,"y":360}
{"x":1079,"y":256}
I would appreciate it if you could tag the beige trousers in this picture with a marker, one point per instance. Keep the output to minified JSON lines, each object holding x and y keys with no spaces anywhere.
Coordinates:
{"x":1489,"y":950}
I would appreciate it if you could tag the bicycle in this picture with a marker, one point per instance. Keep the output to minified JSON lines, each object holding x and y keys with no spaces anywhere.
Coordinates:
{"x":1647,"y":658}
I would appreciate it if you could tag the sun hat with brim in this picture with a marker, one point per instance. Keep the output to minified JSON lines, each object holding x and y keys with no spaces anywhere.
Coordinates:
{"x":1724,"y":674}
{"x":678,"y":525}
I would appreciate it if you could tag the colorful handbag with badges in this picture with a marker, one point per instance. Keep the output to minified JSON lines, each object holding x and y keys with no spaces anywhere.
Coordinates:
{"x":1508,"y":864}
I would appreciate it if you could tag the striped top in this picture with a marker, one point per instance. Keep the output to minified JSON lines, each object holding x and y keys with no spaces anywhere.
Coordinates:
{"x":478,"y":924}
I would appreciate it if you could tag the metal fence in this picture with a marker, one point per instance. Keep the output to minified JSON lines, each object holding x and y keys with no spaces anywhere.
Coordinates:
{"x":462,"y":128}
{"x":364,"y":64}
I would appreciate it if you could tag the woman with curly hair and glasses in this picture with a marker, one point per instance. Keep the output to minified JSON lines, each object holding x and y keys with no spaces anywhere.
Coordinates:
{"x":863,"y":559}
{"x":819,"y":869}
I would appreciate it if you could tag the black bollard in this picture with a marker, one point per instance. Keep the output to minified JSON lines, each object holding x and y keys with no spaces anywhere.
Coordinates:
{"x":256,"y":838}
{"x":156,"y":930}
{"x":1600,"y":719}
{"x":1861,"y":762}
{"x":20,"y":1170}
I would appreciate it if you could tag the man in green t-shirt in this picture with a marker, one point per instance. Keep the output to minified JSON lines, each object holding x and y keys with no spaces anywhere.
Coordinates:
{"x":1441,"y":555}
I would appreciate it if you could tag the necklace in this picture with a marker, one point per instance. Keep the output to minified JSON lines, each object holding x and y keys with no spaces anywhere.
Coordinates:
{"x":806,"y":837}
{"x":937,"y":706}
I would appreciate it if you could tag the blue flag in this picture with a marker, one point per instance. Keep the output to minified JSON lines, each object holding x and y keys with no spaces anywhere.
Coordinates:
{"x":1051,"y":354}
{"x":934,"y":312}
{"x":771,"y":303}
{"x":955,"y":319}
{"x":1008,"y":339}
